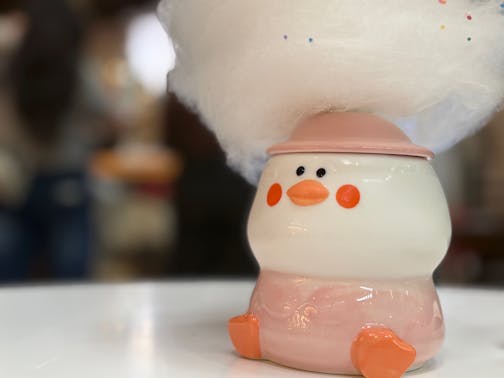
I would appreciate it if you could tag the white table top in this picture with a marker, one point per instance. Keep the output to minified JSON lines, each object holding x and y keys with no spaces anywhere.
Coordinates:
{"x":180,"y":330}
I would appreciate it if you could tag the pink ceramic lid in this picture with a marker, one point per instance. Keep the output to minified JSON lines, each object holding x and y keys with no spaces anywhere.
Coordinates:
{"x":352,"y":133}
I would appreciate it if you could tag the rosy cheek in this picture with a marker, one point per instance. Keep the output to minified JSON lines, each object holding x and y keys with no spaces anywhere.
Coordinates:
{"x":348,"y":196}
{"x":274,"y":194}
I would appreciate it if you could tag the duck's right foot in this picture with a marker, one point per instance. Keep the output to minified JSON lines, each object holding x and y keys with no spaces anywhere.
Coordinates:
{"x":244,"y":333}
{"x":380,"y":353}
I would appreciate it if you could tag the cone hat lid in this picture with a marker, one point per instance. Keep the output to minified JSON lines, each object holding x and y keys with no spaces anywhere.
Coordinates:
{"x":351,"y":133}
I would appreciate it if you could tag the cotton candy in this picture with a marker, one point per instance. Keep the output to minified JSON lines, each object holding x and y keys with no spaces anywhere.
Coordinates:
{"x":253,"y":68}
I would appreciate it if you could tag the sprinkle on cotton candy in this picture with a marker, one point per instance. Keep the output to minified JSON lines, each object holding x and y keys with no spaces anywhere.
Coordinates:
{"x":253,"y":68}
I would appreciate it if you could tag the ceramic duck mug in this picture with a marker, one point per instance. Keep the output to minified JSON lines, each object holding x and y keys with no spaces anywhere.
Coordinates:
{"x":348,"y":224}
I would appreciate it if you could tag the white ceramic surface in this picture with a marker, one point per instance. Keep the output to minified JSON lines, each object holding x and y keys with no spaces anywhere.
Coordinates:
{"x":180,"y":330}
{"x":400,"y":228}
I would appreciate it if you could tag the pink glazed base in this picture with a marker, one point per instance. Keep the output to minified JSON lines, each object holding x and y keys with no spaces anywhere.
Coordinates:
{"x":310,"y":323}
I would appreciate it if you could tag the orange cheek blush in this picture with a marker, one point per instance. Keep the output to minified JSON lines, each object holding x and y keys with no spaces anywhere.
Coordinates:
{"x":274,"y":194}
{"x":348,"y":196}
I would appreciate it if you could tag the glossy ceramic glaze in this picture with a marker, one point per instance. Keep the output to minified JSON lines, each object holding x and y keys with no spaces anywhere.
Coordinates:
{"x":347,"y":244}
{"x":392,"y":223}
{"x":348,"y":224}
{"x":310,"y":323}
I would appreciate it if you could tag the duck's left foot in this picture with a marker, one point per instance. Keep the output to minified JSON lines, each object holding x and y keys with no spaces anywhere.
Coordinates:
{"x":244,"y":333}
{"x":380,"y":353}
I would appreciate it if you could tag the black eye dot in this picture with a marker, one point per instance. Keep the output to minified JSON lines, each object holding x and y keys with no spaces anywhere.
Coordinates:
{"x":300,"y":171}
{"x":321,"y":172}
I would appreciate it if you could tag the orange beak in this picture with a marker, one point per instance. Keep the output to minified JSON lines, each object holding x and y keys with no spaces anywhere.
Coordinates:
{"x":307,"y":193}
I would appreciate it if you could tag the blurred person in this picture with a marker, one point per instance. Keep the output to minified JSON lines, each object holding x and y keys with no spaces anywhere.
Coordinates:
{"x":12,"y":176}
{"x":12,"y":27}
{"x":49,"y":226}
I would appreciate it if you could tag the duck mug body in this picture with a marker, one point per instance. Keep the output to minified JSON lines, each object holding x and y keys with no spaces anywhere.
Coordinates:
{"x":348,"y":224}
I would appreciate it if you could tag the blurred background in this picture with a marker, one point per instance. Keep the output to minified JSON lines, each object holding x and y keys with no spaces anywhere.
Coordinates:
{"x":106,"y":176}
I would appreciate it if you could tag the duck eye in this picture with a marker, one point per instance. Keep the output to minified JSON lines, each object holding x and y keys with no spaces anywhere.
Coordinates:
{"x":300,"y":171}
{"x":321,"y":172}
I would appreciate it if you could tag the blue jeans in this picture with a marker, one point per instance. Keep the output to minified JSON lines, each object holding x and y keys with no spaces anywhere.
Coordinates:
{"x":50,"y":232}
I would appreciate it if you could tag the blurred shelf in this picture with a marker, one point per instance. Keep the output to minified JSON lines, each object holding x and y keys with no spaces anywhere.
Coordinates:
{"x":137,"y":165}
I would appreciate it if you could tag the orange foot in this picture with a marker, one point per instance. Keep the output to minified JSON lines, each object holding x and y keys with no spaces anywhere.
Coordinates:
{"x":380,"y":353}
{"x":244,"y":333}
